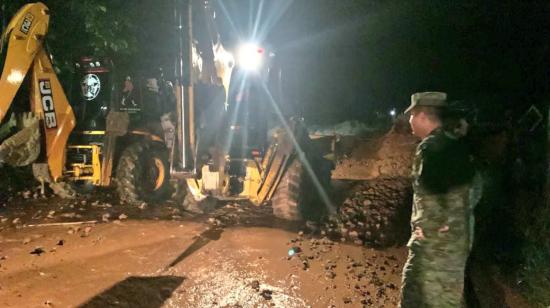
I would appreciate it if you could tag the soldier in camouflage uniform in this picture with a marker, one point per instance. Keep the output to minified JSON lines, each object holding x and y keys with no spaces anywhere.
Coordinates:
{"x":433,"y":275}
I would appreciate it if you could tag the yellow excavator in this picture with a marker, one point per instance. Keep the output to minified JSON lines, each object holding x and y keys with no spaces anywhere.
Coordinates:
{"x":222,"y":137}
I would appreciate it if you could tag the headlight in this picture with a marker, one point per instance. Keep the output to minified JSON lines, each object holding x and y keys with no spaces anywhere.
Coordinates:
{"x":250,"y":57}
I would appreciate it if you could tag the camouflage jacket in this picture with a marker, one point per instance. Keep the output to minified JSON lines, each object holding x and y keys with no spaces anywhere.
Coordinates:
{"x":442,"y":175}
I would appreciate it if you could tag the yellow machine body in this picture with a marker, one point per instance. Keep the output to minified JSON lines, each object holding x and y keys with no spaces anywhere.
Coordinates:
{"x":262,"y":174}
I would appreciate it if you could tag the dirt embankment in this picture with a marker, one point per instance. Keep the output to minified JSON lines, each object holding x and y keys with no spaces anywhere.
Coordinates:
{"x":367,"y":158}
{"x":373,"y":188}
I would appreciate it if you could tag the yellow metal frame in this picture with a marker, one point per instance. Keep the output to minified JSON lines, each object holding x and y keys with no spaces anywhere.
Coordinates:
{"x":252,"y":183}
{"x":91,"y":132}
{"x":262,"y":177}
{"x":85,"y":172}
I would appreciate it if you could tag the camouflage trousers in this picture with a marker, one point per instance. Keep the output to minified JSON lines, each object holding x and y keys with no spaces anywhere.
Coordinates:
{"x":433,"y":275}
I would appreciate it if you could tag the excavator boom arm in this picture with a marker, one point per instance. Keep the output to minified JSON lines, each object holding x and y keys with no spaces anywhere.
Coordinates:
{"x":23,"y":37}
{"x":25,"y":52}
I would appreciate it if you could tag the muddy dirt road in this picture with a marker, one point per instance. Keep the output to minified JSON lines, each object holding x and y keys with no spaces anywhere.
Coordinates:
{"x":235,"y":256}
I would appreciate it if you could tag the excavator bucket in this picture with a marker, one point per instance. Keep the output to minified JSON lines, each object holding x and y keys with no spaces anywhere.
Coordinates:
{"x":23,"y":147}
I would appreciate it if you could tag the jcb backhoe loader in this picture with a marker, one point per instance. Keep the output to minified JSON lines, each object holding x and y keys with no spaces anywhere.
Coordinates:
{"x":78,"y":144}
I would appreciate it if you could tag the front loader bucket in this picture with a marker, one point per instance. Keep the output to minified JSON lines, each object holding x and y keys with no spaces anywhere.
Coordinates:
{"x":23,"y":147}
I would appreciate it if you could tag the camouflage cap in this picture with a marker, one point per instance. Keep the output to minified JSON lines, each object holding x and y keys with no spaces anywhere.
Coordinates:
{"x":433,"y":99}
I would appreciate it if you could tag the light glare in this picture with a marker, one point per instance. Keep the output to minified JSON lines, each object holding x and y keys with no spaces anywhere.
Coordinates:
{"x":250,"y":57}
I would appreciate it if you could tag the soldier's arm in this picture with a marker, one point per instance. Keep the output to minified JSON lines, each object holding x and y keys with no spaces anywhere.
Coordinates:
{"x":445,"y":166}
{"x":433,"y":172}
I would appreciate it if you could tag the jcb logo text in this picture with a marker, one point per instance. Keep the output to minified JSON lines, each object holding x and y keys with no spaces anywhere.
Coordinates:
{"x":48,"y":106}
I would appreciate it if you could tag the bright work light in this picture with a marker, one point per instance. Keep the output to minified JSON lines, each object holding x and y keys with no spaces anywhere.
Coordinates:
{"x":250,"y":57}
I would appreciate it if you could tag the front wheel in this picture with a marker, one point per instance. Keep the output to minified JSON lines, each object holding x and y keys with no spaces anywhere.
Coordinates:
{"x":142,"y":173}
{"x":297,"y":197}
{"x":288,"y":201}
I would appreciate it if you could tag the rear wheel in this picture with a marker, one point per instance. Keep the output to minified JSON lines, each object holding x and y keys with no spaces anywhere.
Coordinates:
{"x":142,"y":173}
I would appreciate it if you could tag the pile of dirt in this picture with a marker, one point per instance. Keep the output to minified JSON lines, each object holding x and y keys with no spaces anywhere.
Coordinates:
{"x":375,"y":209}
{"x":389,"y":155}
{"x":376,"y":212}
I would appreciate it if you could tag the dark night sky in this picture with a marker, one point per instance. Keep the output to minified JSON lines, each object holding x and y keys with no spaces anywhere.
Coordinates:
{"x":346,"y":58}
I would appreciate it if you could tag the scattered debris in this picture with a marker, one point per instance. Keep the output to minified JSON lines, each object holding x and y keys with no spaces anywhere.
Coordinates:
{"x":101,"y":205}
{"x":37,"y":215}
{"x":50,"y":214}
{"x":267,"y":294}
{"x":305,"y":264}
{"x":122,"y":216}
{"x":26,"y":194}
{"x":255,"y":285}
{"x":214,"y":221}
{"x":68,"y":215}
{"x":86,"y":231}
{"x":105,"y":217}
{"x":38,"y":251}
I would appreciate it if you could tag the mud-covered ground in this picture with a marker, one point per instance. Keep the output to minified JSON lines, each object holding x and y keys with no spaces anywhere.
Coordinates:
{"x":95,"y":252}
{"x":153,"y":256}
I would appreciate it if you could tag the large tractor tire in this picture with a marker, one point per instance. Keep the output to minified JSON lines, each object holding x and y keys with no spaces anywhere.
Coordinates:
{"x":143,"y":173}
{"x":297,"y":197}
{"x":288,"y":201}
